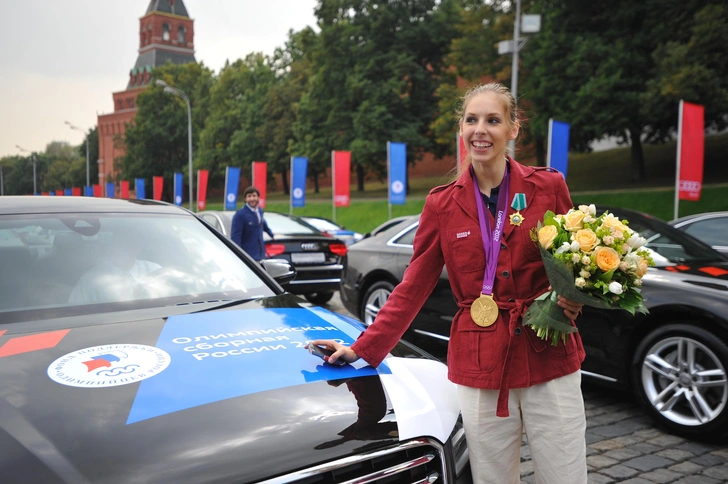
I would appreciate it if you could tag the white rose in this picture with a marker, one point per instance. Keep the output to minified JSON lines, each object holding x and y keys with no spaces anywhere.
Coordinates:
{"x":575,"y":247}
{"x":637,"y":282}
{"x":588,"y":219}
{"x":588,"y":209}
{"x":635,"y":242}
{"x":564,"y":248}
{"x":615,"y":287}
{"x":585,"y":274}
{"x":624,"y":266}
{"x":580,"y":282}
{"x":608,"y":240}
{"x":575,"y":258}
{"x":585,"y":260}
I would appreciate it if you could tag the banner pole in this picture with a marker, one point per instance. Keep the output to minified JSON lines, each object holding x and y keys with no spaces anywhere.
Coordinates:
{"x":290,"y":190}
{"x":677,"y":168}
{"x":550,"y":142}
{"x":389,"y":181}
{"x":333,"y":186}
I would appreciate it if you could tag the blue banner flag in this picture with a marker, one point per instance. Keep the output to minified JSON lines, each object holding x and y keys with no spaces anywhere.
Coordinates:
{"x":110,"y":190}
{"x":140,"y":192}
{"x":557,"y":155}
{"x":178,"y":186}
{"x":51,"y":193}
{"x":299,"y":168}
{"x":397,"y":168}
{"x":88,"y":191}
{"x":232,"y":180}
{"x":67,"y":192}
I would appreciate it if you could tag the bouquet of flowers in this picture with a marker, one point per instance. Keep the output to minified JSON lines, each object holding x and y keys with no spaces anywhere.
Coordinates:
{"x":596,"y":261}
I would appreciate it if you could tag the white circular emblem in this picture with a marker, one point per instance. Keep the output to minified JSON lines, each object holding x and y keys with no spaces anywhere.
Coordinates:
{"x":397,"y":187}
{"x":297,"y":193}
{"x":178,"y":199}
{"x":231,"y":197}
{"x":108,"y":365}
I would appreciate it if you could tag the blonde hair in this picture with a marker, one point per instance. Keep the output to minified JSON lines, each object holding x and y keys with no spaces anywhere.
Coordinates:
{"x":513,"y":118}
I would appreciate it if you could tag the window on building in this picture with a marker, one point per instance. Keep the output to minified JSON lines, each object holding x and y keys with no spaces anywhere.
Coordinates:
{"x":165,"y":32}
{"x":181,"y":35}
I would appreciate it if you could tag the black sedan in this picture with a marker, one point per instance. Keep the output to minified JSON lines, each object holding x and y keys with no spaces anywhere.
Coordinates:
{"x":137,"y":344}
{"x":710,"y":227}
{"x":675,"y":358}
{"x":318,"y":258}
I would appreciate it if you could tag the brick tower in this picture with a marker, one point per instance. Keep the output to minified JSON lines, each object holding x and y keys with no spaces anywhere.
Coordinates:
{"x":166,"y":34}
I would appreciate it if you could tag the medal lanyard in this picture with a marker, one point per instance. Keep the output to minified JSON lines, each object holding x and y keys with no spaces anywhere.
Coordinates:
{"x":491,"y":238}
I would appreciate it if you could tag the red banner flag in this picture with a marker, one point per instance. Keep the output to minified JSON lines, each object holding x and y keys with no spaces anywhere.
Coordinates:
{"x":59,"y":193}
{"x":690,"y":150}
{"x":44,"y":194}
{"x":202,"y":176}
{"x":124,"y":187}
{"x":341,"y":171}
{"x":76,"y":191}
{"x":97,"y":191}
{"x":158,"y":185}
{"x":260,"y":179}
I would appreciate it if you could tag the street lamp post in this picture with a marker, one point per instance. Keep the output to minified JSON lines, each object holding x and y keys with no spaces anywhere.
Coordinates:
{"x":88,"y":169}
{"x":32,"y":155}
{"x":173,"y":90}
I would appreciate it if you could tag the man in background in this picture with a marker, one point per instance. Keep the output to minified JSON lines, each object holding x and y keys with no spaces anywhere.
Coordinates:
{"x":249,"y":224}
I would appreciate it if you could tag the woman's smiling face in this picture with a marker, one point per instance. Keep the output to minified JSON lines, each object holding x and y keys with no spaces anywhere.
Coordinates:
{"x":486,"y":128}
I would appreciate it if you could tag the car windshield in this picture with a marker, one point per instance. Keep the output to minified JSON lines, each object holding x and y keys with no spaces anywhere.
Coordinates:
{"x":73,"y":264}
{"x":280,"y":224}
{"x":669,"y":246}
{"x":322,"y":224}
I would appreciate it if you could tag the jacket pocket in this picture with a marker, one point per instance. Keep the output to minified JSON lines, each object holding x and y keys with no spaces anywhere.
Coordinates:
{"x":473,"y":348}
{"x":466,"y":249}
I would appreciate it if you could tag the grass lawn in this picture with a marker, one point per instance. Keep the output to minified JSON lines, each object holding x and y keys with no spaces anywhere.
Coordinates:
{"x":602,"y":177}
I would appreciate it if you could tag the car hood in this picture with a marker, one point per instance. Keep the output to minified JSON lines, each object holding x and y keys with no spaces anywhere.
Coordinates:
{"x":219,"y":396}
{"x":713,"y":273}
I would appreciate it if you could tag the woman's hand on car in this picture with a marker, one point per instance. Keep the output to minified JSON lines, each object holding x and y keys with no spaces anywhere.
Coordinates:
{"x":340,"y":351}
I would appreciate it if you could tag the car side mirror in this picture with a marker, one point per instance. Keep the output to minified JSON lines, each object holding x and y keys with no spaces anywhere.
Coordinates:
{"x":280,"y":270}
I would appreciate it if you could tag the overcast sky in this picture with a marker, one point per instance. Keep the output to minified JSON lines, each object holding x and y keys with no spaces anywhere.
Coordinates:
{"x":61,"y":60}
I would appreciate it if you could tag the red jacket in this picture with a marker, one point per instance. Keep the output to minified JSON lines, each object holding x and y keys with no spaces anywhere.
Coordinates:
{"x":506,"y":354}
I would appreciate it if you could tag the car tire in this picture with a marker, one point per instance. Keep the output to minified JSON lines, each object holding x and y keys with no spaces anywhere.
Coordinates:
{"x":374,"y":298}
{"x":679,"y":375}
{"x":319,"y":298}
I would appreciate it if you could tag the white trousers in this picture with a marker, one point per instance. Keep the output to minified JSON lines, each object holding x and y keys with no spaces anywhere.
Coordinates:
{"x":552,"y":416}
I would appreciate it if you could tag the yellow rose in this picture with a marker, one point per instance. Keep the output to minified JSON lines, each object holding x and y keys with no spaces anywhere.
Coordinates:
{"x":574,"y":221}
{"x":586,"y":239}
{"x":546,"y":236}
{"x":606,"y":258}
{"x":641,"y":267}
{"x":611,"y":221}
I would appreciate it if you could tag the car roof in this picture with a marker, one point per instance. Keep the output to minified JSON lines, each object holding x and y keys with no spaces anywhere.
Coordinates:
{"x":697,"y":216}
{"x":33,"y":204}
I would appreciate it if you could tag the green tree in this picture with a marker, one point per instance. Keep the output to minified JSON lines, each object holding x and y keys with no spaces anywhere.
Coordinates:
{"x":157,"y":141}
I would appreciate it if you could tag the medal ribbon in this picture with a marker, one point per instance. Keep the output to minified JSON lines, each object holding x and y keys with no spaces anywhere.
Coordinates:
{"x":491,"y":237}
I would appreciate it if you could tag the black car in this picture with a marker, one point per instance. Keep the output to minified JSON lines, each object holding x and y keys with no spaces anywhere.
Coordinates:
{"x":137,"y":344}
{"x":710,"y":227}
{"x":318,"y":258}
{"x":675,"y":359}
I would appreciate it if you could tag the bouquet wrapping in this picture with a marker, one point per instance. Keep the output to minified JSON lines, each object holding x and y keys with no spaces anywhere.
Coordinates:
{"x":595,"y":261}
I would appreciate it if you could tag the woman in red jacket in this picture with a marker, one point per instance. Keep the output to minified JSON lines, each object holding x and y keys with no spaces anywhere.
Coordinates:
{"x":508,"y":380}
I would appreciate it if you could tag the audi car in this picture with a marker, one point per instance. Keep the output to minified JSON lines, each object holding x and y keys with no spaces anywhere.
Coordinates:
{"x":675,"y":359}
{"x":138,"y":344}
{"x":318,"y":259}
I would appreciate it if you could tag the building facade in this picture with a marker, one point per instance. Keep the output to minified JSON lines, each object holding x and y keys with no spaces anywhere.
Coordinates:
{"x":166,"y":34}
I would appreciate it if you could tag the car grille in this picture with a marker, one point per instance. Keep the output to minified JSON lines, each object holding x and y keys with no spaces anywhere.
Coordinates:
{"x":417,"y":461}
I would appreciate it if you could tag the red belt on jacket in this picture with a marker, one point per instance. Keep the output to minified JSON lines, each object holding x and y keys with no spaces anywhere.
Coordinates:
{"x":515,"y":309}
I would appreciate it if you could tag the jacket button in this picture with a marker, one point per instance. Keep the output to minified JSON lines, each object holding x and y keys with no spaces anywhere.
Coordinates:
{"x":517,"y":331}
{"x":506,"y":274}
{"x":503,"y":246}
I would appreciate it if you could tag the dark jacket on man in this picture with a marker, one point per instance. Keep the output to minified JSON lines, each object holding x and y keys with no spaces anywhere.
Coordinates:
{"x":247,"y":231}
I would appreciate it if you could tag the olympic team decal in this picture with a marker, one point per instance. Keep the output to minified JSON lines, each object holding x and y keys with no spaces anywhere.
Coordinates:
{"x":227,"y":354}
{"x":108,"y":365}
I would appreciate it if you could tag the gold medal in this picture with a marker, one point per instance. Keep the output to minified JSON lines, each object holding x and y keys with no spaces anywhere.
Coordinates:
{"x":516,"y":218}
{"x":484,"y":311}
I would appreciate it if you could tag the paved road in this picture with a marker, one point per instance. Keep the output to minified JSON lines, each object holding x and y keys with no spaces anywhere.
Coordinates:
{"x":624,"y":445}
